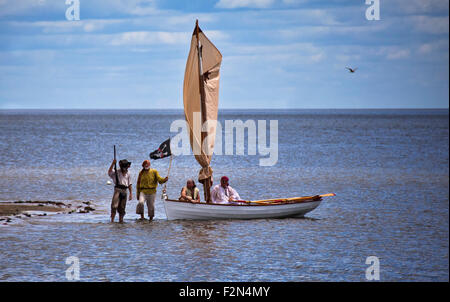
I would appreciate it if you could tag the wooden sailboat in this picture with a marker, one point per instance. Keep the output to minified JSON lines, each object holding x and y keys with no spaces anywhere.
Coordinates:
{"x":201,"y":97}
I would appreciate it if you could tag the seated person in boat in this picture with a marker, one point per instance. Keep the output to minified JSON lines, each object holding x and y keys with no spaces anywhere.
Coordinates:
{"x":190,"y":192}
{"x":223,"y":192}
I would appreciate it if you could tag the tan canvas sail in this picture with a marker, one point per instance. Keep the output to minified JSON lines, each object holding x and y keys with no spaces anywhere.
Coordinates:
{"x":201,"y":99}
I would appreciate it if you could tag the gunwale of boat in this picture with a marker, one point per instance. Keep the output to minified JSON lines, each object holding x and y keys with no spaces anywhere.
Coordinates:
{"x":271,"y":202}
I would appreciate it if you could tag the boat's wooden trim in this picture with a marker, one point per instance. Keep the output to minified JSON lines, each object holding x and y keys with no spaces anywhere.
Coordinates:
{"x":271,"y":202}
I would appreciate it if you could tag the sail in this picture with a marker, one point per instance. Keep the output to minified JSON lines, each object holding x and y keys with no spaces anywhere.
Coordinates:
{"x":195,"y":93}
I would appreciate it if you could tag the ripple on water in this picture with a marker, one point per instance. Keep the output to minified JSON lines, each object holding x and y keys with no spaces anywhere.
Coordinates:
{"x":388,"y":168}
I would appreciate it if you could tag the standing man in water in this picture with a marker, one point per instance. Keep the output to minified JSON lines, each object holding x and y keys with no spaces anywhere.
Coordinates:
{"x":147,"y":182}
{"x":122,"y":181}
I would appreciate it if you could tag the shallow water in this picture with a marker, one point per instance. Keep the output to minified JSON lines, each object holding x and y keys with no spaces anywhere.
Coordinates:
{"x":389,"y":169}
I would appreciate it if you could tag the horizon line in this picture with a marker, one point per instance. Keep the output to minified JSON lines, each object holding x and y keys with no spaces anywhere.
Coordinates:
{"x":268,"y":108}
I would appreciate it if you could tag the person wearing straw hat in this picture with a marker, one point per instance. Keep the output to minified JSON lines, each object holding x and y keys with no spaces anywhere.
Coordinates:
{"x":147,"y":182}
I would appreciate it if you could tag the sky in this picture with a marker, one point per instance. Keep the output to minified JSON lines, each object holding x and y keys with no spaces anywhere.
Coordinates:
{"x":276,"y":53}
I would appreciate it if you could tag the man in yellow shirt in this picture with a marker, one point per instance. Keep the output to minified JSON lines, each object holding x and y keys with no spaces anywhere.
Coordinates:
{"x":147,"y":182}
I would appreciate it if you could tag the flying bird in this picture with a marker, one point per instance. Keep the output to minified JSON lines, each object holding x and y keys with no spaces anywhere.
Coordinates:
{"x":351,"y":70}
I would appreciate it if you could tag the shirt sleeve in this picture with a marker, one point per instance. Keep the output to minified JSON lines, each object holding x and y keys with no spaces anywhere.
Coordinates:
{"x":138,"y":183}
{"x":214,"y":194}
{"x":111,"y":174}
{"x":129,"y":180}
{"x":234,"y":194}
{"x":159,"y":178}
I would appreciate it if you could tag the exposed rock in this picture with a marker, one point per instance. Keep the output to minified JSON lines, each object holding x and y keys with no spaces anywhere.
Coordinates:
{"x":48,"y":202}
{"x":23,"y":209}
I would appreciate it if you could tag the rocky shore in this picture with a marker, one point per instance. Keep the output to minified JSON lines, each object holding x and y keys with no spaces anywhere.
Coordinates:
{"x":11,"y":211}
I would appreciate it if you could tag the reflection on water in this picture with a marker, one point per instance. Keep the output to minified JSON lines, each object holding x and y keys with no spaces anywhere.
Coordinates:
{"x":388,"y":168}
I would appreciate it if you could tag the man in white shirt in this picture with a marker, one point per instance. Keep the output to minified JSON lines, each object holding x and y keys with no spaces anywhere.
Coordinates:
{"x":224,"y":193}
{"x":122,"y":182}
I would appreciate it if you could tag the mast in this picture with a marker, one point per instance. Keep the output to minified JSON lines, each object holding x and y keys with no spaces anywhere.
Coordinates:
{"x":207,"y":182}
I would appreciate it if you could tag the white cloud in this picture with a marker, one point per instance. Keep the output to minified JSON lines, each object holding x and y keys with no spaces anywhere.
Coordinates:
{"x":159,"y":37}
{"x":315,"y":31}
{"x":14,"y":7}
{"x":431,"y":25}
{"x":394,"y":52}
{"x":427,"y":48}
{"x":244,"y":3}
{"x":346,"y":59}
{"x":187,"y":19}
{"x":317,"y":57}
{"x":291,"y":2}
{"x":36,"y":7}
{"x":142,"y":7}
{"x":283,"y":56}
{"x":148,"y":37}
{"x":398,"y":54}
{"x":216,"y":35}
{"x":419,"y":6}
{"x":52,"y":27}
{"x":98,"y":25}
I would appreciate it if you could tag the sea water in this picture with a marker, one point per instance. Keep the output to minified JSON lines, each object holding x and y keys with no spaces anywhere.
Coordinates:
{"x":388,"y":168}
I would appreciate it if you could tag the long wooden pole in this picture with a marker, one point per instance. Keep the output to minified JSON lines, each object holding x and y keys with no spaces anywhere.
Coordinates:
{"x":207,"y":182}
{"x":115,"y":167}
{"x":170,"y":165}
{"x":168,"y":172}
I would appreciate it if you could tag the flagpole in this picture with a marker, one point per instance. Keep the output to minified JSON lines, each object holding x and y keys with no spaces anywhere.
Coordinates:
{"x":170,"y":165}
{"x":168,"y":172}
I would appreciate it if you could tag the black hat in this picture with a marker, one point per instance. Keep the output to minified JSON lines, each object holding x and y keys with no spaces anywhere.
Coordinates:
{"x":124,"y":163}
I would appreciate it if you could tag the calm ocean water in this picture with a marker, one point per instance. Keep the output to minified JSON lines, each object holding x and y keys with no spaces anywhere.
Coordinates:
{"x":389,"y":169}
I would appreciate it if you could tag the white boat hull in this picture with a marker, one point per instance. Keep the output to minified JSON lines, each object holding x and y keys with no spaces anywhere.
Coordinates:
{"x":202,"y":211}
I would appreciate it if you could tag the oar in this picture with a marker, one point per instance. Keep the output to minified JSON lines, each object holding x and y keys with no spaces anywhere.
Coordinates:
{"x":278,"y":200}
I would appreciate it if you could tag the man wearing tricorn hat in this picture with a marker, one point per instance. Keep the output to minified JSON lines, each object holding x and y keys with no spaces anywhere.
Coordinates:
{"x":122,"y":182}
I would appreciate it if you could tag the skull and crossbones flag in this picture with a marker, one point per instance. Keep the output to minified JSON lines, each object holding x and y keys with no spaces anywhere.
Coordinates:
{"x":162,"y":151}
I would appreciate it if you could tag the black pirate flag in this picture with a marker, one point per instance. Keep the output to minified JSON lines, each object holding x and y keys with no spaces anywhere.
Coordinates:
{"x":162,"y":151}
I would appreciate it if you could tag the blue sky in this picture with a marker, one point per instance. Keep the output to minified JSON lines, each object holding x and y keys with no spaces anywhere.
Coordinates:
{"x":276,"y":53}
